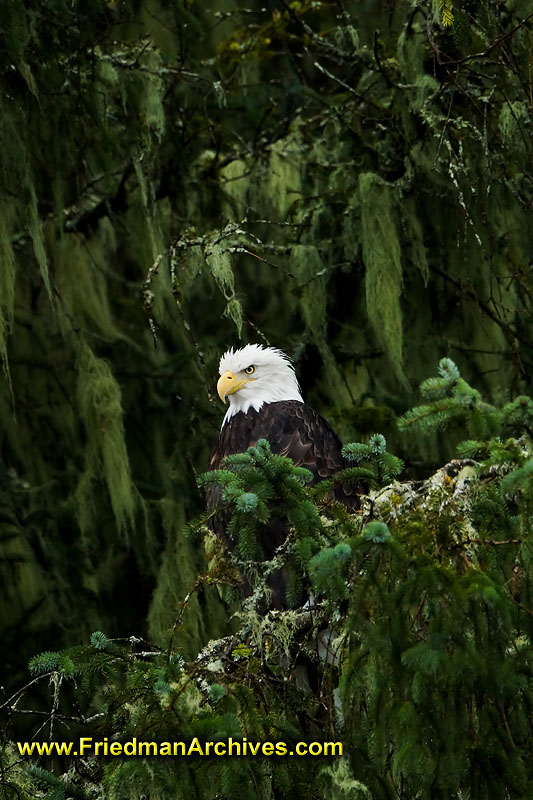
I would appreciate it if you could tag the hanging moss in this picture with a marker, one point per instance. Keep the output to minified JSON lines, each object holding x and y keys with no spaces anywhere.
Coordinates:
{"x":81,"y":267}
{"x":36,"y":233}
{"x":284,"y":175}
{"x":235,"y":182}
{"x":151,"y":108}
{"x":219,"y":262}
{"x":151,"y":232}
{"x":7,"y":282}
{"x":26,"y":584}
{"x":414,"y":238}
{"x":515,"y":128}
{"x":309,"y":269}
{"x":181,"y":565}
{"x":383,"y":276}
{"x":187,"y":267}
{"x":410,"y":52}
{"x":106,"y":456}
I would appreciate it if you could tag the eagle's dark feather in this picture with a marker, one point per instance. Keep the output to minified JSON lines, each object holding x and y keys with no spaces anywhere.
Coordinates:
{"x":295,"y":430}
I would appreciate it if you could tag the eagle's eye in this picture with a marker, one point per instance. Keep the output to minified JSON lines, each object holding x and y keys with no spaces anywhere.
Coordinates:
{"x":250,"y":370}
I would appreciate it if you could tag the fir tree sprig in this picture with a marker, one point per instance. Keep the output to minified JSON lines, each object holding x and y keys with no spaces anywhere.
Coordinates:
{"x":451,"y":399}
{"x":380,"y":467}
{"x":257,"y":485}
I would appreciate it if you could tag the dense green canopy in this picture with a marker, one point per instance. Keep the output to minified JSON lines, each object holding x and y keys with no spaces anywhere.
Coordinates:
{"x":348,"y":181}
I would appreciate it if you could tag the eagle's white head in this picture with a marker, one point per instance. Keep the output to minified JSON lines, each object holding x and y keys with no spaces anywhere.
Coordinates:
{"x":255,"y":375}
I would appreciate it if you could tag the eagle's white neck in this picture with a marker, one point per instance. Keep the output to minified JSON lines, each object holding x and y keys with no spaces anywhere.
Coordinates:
{"x":256,"y":402}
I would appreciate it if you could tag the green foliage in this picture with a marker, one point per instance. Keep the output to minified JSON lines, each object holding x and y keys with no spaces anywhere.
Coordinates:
{"x":259,"y":487}
{"x":520,"y":480}
{"x":452,"y":399}
{"x":276,"y":176}
{"x":55,"y":788}
{"x":216,"y":693}
{"x":514,"y":123}
{"x":328,"y":570}
{"x":355,"y":189}
{"x":445,"y":12}
{"x":380,"y":466}
{"x":15,"y":780}
{"x":45,"y":662}
{"x":419,"y":636}
{"x":99,"y":640}
{"x":376,"y":532}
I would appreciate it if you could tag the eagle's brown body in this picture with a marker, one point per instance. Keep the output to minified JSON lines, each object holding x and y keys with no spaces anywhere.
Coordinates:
{"x":292,"y":428}
{"x":295,"y":430}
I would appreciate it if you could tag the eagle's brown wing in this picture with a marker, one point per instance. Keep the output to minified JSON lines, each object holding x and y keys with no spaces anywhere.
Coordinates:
{"x":292,"y":429}
{"x":295,"y":430}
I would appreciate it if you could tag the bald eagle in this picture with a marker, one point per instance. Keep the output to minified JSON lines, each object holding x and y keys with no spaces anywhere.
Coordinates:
{"x":265,"y":402}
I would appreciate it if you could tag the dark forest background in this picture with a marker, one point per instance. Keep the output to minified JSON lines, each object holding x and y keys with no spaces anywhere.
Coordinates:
{"x":348,"y":181}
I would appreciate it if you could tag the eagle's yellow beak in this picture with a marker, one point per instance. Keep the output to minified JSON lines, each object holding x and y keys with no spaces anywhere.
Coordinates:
{"x":228,"y":384}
